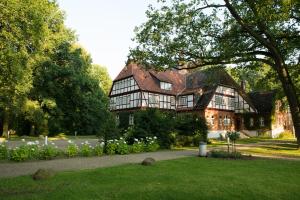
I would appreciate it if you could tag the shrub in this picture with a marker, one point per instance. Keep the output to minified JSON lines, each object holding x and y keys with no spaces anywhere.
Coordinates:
{"x":225,"y":154}
{"x":20,"y":153}
{"x":151,"y":144}
{"x":86,"y":149}
{"x":98,"y":149}
{"x":111,"y":147}
{"x":122,"y":147}
{"x":138,"y":146}
{"x":153,"y":122}
{"x":33,"y":150}
{"x":48,"y":152}
{"x":72,"y":149}
{"x":3,"y":152}
{"x":286,"y":135}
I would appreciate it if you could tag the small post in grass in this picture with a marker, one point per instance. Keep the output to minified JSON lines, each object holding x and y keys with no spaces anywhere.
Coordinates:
{"x":202,"y":149}
{"x":46,"y":140}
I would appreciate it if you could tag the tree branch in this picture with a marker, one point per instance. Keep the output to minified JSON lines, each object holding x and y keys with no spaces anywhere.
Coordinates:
{"x":209,"y":6}
{"x":197,"y":64}
{"x":240,"y":21}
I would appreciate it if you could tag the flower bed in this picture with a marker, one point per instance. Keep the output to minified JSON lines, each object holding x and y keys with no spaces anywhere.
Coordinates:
{"x":37,"y":151}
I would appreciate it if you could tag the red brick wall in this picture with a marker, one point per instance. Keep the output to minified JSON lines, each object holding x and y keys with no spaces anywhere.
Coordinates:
{"x":217,"y":125}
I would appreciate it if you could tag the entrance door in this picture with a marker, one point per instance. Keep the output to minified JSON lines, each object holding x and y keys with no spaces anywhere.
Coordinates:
{"x":237,"y":124}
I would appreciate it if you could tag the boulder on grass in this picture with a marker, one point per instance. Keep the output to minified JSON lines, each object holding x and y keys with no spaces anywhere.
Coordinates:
{"x":148,"y":161}
{"x":42,"y":174}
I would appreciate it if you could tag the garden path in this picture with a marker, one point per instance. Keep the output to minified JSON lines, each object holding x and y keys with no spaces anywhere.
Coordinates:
{"x":12,"y":169}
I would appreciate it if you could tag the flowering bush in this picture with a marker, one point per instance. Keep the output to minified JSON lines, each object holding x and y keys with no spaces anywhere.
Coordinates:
{"x":151,"y":144}
{"x":98,"y":150}
{"x":33,"y":149}
{"x":48,"y":152}
{"x":86,"y":149}
{"x":111,"y":147}
{"x":19,"y":153}
{"x":122,"y":147}
{"x":72,"y":149}
{"x":3,"y":151}
{"x":138,"y":146}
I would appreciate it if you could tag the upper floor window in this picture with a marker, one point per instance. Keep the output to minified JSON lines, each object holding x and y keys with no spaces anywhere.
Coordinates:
{"x":125,"y":85}
{"x":165,"y":86}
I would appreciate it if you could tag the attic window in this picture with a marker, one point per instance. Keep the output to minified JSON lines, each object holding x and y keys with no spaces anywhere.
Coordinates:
{"x":165,"y":86}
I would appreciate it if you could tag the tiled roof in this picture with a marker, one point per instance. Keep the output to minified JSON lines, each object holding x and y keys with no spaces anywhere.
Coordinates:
{"x":150,"y":80}
{"x":263,"y":101}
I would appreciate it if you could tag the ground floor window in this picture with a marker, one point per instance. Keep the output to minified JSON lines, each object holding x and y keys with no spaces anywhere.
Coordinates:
{"x":117,"y":120}
{"x":226,"y":120}
{"x":131,"y":119}
{"x":261,"y":121}
{"x":251,"y":122}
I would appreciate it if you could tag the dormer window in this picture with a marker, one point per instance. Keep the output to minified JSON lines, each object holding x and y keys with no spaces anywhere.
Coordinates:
{"x":165,"y":86}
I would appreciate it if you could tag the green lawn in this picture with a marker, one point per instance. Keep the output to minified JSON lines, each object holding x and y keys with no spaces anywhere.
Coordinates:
{"x":188,"y":178}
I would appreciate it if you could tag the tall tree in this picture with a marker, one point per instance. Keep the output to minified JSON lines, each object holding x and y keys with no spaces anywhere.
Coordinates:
{"x":26,"y":34}
{"x":100,"y":73}
{"x":204,"y":33}
{"x":75,"y":100}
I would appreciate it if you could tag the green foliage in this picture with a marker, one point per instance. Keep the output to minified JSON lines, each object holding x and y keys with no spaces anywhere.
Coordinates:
{"x":3,"y":151}
{"x":79,"y":101}
{"x":48,"y":152}
{"x":137,"y":146}
{"x":153,"y":122}
{"x":24,"y":38}
{"x":86,"y":149}
{"x":111,"y":147}
{"x":100,"y":73}
{"x":286,"y":135}
{"x":233,"y":135}
{"x":225,"y":154}
{"x":151,"y":144}
{"x":98,"y":149}
{"x":72,"y":149}
{"x":122,"y":147}
{"x":19,"y":153}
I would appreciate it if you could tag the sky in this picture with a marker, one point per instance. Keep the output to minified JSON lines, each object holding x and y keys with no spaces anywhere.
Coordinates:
{"x":105,"y":28}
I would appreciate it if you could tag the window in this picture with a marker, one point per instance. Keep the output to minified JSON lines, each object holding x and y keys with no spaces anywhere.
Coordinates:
{"x":251,"y":122}
{"x":261,"y":121}
{"x":124,"y":85}
{"x":125,"y":101}
{"x":165,"y":86}
{"x":218,"y":100}
{"x":117,"y":120}
{"x":212,"y":120}
{"x":220,"y":120}
{"x":131,"y":119}
{"x":182,"y":101}
{"x":226,"y":120}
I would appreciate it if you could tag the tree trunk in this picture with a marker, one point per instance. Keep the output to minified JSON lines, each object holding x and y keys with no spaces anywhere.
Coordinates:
{"x":5,"y":122}
{"x":290,"y":92}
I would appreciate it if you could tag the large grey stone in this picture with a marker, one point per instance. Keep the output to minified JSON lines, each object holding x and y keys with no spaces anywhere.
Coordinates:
{"x":42,"y":174}
{"x":148,"y":161}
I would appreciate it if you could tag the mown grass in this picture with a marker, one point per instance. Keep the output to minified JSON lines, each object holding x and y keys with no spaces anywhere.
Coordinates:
{"x":189,"y":178}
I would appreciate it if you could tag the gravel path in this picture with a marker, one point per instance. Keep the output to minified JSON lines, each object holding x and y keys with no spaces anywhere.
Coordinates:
{"x":26,"y":168}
